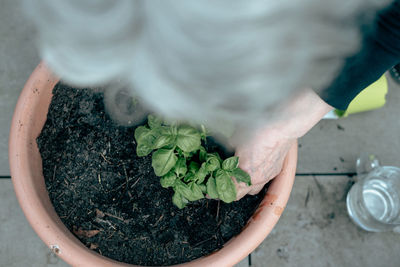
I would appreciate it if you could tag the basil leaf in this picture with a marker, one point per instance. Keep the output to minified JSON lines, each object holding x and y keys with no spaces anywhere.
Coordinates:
{"x":202,"y":154}
{"x":212,"y":164}
{"x":147,"y":137}
{"x":225,"y":187}
{"x":194,"y":167}
{"x":212,"y":188}
{"x":173,"y":128}
{"x":191,"y":192}
{"x":189,"y":177}
{"x":196,"y":191}
{"x":203,"y":188}
{"x":163,"y":141}
{"x":204,"y":133}
{"x":154,"y":122}
{"x":140,"y":132}
{"x":230,"y":163}
{"x":163,"y":161}
{"x":188,"y":154}
{"x":201,"y":174}
{"x":168,"y":180}
{"x":184,"y":154}
{"x":180,"y":152}
{"x":188,"y":138}
{"x":214,"y":155}
{"x":241,"y":176}
{"x":179,"y":200}
{"x":180,"y":167}
{"x":143,"y":150}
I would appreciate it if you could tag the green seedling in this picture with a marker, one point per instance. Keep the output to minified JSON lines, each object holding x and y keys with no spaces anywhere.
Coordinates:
{"x":182,"y":162}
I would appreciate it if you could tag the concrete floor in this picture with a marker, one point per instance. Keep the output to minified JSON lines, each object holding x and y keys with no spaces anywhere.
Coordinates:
{"x":313,"y":231}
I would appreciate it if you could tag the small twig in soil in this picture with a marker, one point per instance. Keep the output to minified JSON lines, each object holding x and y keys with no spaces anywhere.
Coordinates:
{"x":66,"y":218}
{"x":99,"y":213}
{"x":140,"y":238}
{"x":159,"y":219}
{"x":218,"y":210}
{"x":201,"y":242}
{"x":104,"y":157}
{"x":111,"y":235}
{"x":94,"y":187}
{"x":119,"y":187}
{"x":98,"y":220}
{"x":60,"y":195}
{"x":169,"y":255}
{"x":218,"y":239}
{"x":135,"y":182}
{"x":126,"y":176}
{"x":99,"y":179}
{"x":121,"y":234}
{"x":114,"y":216}
{"x":54,"y":172}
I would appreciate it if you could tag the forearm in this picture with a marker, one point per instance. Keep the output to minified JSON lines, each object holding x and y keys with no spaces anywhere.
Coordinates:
{"x":262,"y":155}
{"x":298,"y":116}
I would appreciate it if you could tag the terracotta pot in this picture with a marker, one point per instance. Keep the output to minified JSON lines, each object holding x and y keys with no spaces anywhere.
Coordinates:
{"x":27,"y":176}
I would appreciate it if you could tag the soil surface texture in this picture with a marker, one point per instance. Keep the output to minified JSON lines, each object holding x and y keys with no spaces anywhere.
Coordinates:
{"x":111,"y":200}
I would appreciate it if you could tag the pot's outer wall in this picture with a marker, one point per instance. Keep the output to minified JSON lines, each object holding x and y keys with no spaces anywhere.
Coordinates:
{"x":27,"y":176}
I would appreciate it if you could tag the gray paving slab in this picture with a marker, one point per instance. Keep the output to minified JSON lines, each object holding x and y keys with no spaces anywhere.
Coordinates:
{"x":315,"y":230}
{"x":243,"y":263}
{"x":18,"y":58}
{"x":332,"y":146}
{"x":19,"y":244}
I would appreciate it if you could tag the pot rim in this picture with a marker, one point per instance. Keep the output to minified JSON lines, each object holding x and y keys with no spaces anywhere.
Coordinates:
{"x":27,"y":176}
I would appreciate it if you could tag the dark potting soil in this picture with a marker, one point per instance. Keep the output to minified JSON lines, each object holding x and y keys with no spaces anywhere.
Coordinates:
{"x":112,"y":200}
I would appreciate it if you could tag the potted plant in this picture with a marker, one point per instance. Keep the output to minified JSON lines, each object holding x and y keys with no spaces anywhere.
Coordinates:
{"x":27,"y":176}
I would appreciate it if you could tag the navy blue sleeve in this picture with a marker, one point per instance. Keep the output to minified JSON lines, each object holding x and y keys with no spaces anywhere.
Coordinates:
{"x":380,"y":50}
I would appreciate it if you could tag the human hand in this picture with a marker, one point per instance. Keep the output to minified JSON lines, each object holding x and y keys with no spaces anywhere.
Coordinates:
{"x":262,"y":155}
{"x":262,"y":158}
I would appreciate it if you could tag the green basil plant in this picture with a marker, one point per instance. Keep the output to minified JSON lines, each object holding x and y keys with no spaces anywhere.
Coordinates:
{"x":183,"y":163}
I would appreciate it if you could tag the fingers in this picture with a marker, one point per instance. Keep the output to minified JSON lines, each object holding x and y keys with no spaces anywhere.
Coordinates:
{"x":255,"y":189}
{"x":262,"y":158}
{"x":242,"y":189}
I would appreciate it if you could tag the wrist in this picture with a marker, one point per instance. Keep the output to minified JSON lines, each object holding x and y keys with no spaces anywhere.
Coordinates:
{"x":297,"y":116}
